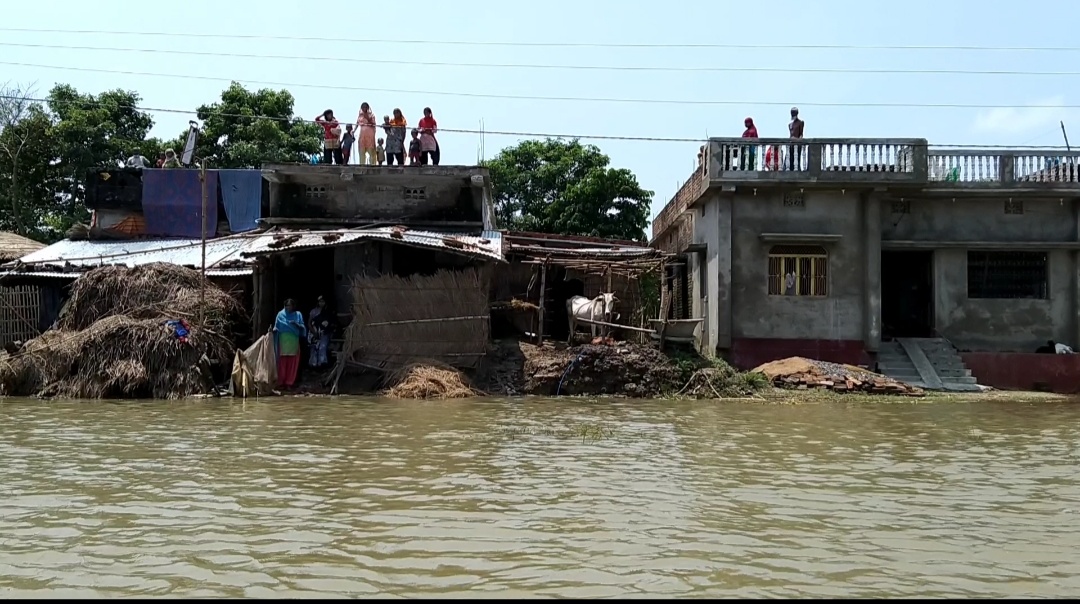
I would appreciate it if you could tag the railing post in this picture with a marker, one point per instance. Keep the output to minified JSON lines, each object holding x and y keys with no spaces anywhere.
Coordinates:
{"x":1006,"y":168}
{"x":813,"y":159}
{"x":920,"y":158}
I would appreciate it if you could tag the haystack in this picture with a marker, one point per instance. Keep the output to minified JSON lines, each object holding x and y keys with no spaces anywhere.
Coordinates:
{"x":429,"y":380}
{"x":148,"y":291}
{"x":112,"y":340}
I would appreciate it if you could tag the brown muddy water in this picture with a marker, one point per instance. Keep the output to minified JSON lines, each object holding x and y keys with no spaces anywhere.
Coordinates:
{"x":495,"y":498}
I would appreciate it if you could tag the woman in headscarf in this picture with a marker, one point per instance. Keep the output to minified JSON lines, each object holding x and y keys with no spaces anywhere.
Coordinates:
{"x":748,"y":151}
{"x":288,"y":329}
{"x":321,"y":327}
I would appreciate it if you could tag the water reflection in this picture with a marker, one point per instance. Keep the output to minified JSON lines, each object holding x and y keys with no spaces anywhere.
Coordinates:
{"x":492,"y":498}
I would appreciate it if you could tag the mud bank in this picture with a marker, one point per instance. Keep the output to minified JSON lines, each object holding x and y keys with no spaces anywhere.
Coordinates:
{"x":514,"y":368}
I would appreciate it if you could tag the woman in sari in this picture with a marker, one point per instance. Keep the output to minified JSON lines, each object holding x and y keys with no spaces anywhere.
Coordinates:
{"x":288,"y":329}
{"x":321,"y":327}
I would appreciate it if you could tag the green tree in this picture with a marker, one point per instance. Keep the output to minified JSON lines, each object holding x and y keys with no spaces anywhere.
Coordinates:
{"x":564,"y":187}
{"x":25,"y":154}
{"x":248,"y":128}
{"x":92,"y":131}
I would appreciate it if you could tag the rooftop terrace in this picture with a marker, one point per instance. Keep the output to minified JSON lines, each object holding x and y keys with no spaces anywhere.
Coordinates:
{"x":860,"y":163}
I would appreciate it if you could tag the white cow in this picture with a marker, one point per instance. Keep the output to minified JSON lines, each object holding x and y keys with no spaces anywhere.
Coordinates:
{"x":600,"y":308}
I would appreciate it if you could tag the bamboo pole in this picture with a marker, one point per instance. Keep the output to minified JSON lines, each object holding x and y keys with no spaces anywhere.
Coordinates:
{"x":202,"y":287}
{"x":540,"y":312}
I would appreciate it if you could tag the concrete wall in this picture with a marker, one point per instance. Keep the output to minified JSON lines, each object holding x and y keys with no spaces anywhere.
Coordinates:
{"x":837,"y":316}
{"x":979,"y":219}
{"x":736,"y":305}
{"x":1003,"y":325}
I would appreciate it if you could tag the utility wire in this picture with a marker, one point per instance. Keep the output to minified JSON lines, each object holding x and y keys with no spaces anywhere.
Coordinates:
{"x":545,"y":98}
{"x":731,"y":46}
{"x":631,"y":68}
{"x":484,"y":131}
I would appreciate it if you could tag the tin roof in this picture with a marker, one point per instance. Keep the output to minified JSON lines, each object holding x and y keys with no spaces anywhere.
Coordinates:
{"x":183,"y":252}
{"x":487,"y":245}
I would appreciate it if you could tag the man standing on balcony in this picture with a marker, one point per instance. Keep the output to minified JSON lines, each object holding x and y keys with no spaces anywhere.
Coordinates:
{"x":795,"y":130}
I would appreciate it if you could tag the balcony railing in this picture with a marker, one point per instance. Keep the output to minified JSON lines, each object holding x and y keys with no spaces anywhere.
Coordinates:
{"x":997,"y":168}
{"x":784,"y":159}
{"x":878,"y":162}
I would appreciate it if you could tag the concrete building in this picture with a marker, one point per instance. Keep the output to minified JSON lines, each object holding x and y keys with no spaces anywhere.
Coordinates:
{"x":871,"y":250}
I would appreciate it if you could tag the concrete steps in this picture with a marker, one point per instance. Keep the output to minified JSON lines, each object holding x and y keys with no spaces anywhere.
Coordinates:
{"x":928,"y":363}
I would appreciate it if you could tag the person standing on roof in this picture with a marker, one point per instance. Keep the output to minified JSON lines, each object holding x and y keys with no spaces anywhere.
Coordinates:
{"x":395,"y":138}
{"x":795,"y":130}
{"x":331,"y":137}
{"x":365,"y":122}
{"x":747,"y":162}
{"x":428,"y":144}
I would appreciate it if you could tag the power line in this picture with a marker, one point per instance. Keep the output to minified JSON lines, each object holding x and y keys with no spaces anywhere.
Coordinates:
{"x":549,"y":98}
{"x":485,"y":131}
{"x":237,"y":36}
{"x":631,"y":68}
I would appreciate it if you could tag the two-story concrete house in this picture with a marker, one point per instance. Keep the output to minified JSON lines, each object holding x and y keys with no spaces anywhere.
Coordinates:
{"x":926,"y":261}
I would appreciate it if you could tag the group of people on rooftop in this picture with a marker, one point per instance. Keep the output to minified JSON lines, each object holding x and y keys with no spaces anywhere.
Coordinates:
{"x":422,"y":149}
{"x":747,"y":161}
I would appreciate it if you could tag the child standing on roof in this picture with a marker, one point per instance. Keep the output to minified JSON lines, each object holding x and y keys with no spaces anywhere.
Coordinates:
{"x":414,"y":148}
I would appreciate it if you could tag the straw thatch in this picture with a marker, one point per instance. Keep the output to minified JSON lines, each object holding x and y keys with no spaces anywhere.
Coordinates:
{"x":398,"y":320}
{"x":13,"y":247}
{"x":429,"y":380}
{"x":145,"y":292}
{"x":112,"y":341}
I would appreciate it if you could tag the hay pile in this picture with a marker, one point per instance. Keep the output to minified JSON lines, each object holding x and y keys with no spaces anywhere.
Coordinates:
{"x":111,"y":340}
{"x":429,"y":380}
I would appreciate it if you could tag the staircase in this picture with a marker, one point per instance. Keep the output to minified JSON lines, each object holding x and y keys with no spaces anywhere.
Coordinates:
{"x":928,"y":363}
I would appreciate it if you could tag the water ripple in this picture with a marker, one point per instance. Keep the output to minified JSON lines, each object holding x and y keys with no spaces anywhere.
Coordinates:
{"x":487,"y":498}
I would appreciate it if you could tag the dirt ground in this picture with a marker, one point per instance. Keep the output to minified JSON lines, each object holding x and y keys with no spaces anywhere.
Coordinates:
{"x":515,"y":368}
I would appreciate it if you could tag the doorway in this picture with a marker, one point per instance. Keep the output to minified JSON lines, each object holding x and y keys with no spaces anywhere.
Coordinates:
{"x":907,"y":294}
{"x":561,"y":289}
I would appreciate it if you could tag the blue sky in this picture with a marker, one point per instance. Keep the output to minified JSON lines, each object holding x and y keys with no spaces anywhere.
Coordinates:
{"x":660,"y":166}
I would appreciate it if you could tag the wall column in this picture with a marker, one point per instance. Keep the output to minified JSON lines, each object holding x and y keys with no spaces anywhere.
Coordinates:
{"x":275,"y":199}
{"x":871,"y":203}
{"x":721,"y":289}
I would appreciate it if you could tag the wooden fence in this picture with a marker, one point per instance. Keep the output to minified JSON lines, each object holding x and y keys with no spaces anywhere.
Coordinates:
{"x":20,"y":313}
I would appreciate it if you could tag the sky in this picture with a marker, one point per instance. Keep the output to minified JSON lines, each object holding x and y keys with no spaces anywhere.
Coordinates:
{"x":566,"y":34}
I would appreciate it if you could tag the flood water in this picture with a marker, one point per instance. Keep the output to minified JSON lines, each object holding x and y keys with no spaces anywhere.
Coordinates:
{"x":489,"y":498}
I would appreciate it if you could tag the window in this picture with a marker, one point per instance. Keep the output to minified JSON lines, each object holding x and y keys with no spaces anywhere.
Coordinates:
{"x":798,"y":270}
{"x":417,"y":194}
{"x":1007,"y":275}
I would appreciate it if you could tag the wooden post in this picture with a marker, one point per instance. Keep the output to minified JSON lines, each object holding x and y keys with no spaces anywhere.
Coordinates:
{"x":665,"y":302}
{"x":202,"y":288}
{"x":540,"y":311}
{"x":606,"y":331}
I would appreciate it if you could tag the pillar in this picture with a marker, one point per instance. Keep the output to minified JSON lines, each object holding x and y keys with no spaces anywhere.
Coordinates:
{"x":871,"y":204}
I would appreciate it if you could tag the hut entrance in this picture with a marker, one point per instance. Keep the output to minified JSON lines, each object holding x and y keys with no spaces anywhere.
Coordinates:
{"x":304,"y":277}
{"x":561,"y":290}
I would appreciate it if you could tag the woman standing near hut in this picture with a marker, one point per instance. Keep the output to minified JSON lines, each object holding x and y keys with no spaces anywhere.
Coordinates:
{"x":321,"y":327}
{"x":288,"y":329}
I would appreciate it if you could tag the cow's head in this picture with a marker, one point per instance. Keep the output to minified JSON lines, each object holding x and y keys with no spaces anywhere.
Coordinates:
{"x":607,"y":303}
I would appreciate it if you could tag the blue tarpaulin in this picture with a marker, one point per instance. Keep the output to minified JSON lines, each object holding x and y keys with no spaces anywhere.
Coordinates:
{"x":172,"y":203}
{"x":241,"y":194}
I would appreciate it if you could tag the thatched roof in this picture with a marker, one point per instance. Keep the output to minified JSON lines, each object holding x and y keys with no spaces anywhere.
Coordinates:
{"x":14,"y":246}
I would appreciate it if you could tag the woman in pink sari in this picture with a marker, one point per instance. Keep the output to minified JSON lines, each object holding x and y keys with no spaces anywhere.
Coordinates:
{"x":365,"y":123}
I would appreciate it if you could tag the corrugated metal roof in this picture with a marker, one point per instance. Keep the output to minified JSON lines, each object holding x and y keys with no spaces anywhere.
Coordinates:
{"x":240,"y":272}
{"x":184,"y":252}
{"x":487,"y":245}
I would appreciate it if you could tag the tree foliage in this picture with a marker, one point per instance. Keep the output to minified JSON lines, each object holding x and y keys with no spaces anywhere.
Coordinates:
{"x":565,"y":187}
{"x":248,"y":128}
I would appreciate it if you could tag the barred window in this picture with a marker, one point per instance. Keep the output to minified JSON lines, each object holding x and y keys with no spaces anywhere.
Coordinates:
{"x":798,"y":270}
{"x":1007,"y":275}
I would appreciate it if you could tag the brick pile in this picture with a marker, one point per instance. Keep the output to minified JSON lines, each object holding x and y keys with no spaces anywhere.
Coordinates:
{"x":799,"y":373}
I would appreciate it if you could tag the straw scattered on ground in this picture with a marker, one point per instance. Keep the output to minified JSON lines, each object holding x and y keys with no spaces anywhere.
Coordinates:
{"x":429,"y":380}
{"x":112,"y":340}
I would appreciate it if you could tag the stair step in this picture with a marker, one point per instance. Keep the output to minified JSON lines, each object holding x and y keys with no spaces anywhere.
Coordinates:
{"x":959,"y":380}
